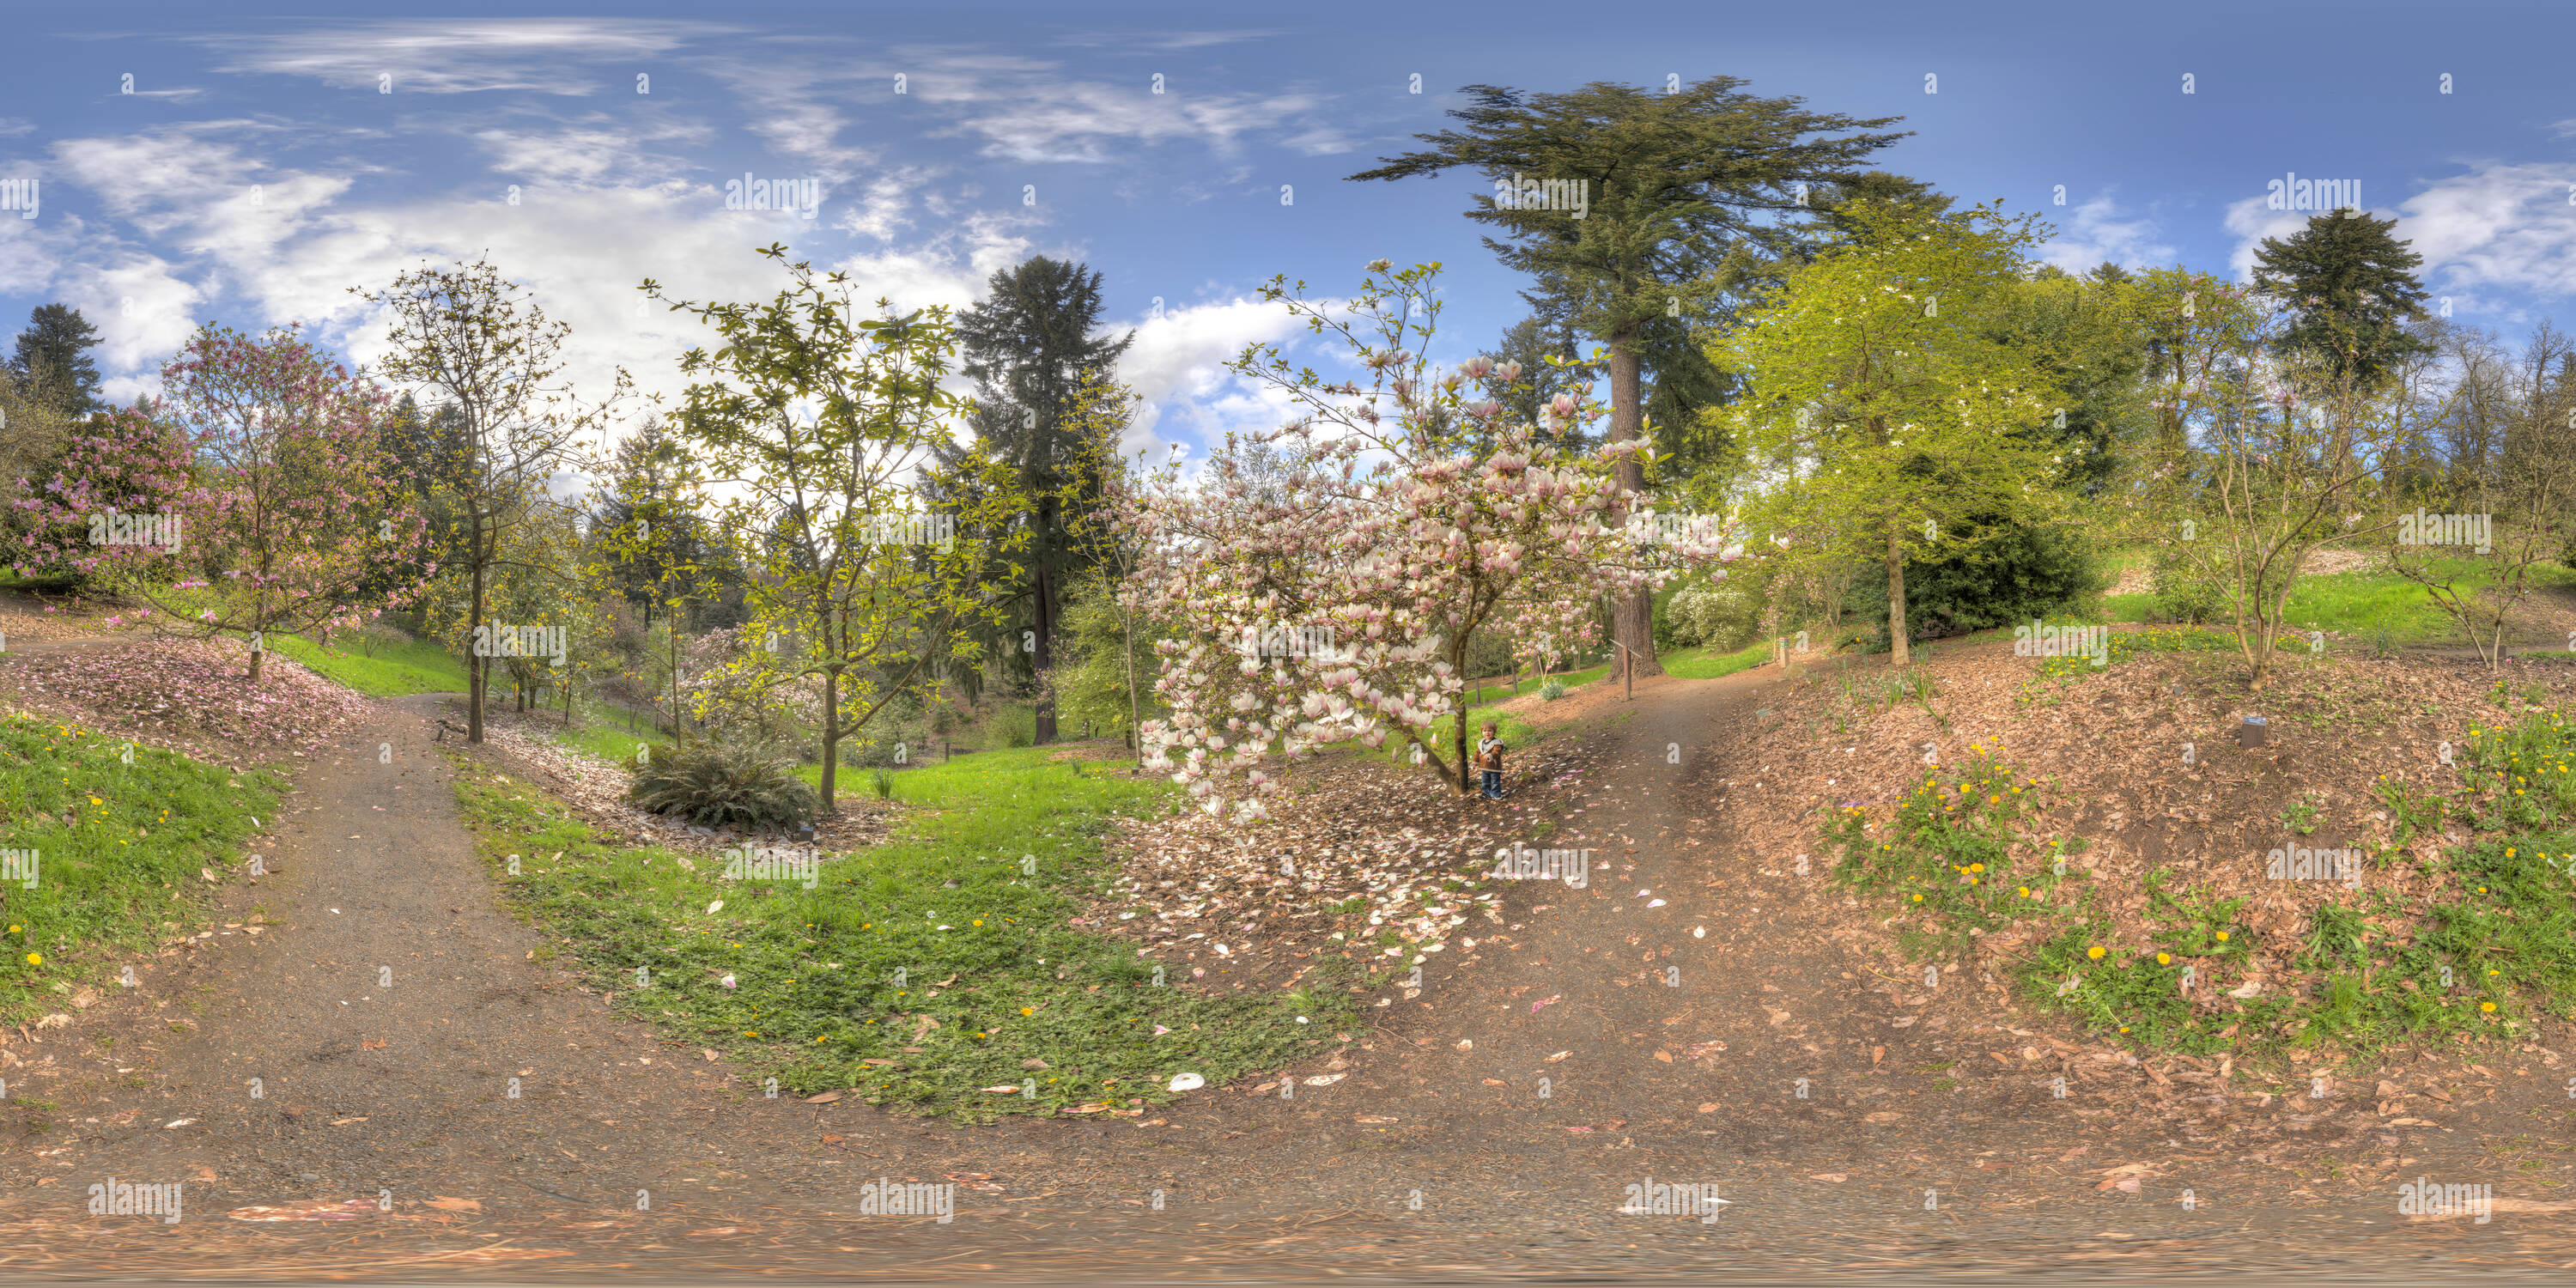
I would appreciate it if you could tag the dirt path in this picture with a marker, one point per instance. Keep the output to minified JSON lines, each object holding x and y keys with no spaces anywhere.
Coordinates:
{"x":402,"y":1091}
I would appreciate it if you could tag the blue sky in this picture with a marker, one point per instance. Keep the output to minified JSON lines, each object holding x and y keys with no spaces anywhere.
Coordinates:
{"x":266,"y":160}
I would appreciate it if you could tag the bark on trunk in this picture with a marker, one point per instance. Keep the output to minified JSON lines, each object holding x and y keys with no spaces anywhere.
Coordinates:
{"x":477,"y":668}
{"x":1634,"y":618}
{"x":831,"y":735}
{"x":1896,"y":631}
{"x":1135,"y":712}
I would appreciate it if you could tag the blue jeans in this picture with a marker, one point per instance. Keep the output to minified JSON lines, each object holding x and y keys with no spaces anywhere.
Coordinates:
{"x":1493,"y":784}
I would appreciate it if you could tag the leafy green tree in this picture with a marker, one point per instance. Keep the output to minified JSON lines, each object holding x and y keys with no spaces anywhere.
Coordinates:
{"x":33,"y":435}
{"x":1028,"y":347}
{"x":1655,"y":193}
{"x":481,"y":347}
{"x":1885,"y":406}
{"x":1544,"y":344}
{"x":52,"y":363}
{"x":2350,"y":286}
{"x":822,"y":427}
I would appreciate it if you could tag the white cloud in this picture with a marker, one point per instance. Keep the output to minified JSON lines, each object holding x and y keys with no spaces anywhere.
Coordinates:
{"x":2496,"y":229}
{"x":451,"y":57}
{"x":1184,"y":392}
{"x":2093,"y":234}
{"x":2252,"y":222}
{"x":592,"y":151}
{"x":2498,"y":225}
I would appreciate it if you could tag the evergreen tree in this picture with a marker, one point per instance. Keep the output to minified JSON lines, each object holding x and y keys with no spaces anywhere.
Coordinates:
{"x":1653,"y":191}
{"x":1028,"y":347}
{"x":2352,"y":287}
{"x":52,"y":359}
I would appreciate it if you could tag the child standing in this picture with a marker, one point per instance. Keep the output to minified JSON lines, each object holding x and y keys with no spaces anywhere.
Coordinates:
{"x":1489,"y":757}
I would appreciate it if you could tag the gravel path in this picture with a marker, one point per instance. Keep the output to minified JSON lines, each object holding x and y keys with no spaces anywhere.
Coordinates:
{"x":386,"y":1142}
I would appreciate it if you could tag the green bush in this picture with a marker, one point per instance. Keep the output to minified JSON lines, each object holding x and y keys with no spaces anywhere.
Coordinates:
{"x":2009,"y":575}
{"x":717,"y":784}
{"x":2183,"y":593}
{"x":1722,"y":615}
{"x":1551,"y":690}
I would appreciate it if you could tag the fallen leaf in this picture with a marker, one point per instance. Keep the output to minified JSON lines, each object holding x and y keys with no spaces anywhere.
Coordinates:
{"x":444,"y":1204}
{"x":824,"y":1099}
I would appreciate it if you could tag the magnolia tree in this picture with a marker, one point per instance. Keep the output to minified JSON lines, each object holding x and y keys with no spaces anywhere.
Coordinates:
{"x":104,"y":512}
{"x":1325,"y":576}
{"x":284,"y":520}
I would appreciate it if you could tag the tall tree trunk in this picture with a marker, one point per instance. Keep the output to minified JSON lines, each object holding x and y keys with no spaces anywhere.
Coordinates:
{"x":1135,"y":712}
{"x":1635,"y":617}
{"x":831,"y":735}
{"x":1458,"y":666}
{"x":477,"y":671}
{"x":1896,"y":629}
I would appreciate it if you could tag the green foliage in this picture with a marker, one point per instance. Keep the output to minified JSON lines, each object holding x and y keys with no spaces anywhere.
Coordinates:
{"x":845,"y":559}
{"x":1901,"y":428}
{"x":1551,"y":689}
{"x":723,"y":784}
{"x":994,"y":974}
{"x":1091,"y":688}
{"x":2351,"y":288}
{"x":2184,"y":591}
{"x":113,"y":844}
{"x":1723,"y":614}
{"x":1952,"y":857}
{"x":2011,"y":576}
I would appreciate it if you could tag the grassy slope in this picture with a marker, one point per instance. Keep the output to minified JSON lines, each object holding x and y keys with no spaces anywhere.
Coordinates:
{"x":990,"y":962}
{"x":114,"y":843}
{"x":2502,"y":947}
{"x":394,"y":670}
{"x":2358,"y":605}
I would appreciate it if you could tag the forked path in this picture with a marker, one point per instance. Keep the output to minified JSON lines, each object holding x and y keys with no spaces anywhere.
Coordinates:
{"x":1692,"y":1014}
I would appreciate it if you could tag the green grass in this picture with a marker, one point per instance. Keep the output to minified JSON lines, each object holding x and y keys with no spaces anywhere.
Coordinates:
{"x":993,"y":962}
{"x":1700,"y":664}
{"x":415,"y":666}
{"x":2494,"y":948}
{"x":1489,"y":693}
{"x":606,"y":736}
{"x":114,"y":843}
{"x":2352,"y":604}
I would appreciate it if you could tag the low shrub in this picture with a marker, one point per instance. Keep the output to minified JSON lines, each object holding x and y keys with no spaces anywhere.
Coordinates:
{"x":717,"y":784}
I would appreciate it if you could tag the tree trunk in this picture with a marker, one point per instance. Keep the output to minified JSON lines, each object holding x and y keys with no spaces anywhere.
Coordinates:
{"x":1135,"y":712}
{"x":477,"y":673}
{"x":256,"y":655}
{"x":1896,"y":630}
{"x":1635,"y":616}
{"x":831,"y":735}
{"x":1458,"y":666}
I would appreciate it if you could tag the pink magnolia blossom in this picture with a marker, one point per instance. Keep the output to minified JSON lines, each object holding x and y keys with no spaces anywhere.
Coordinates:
{"x":1330,"y":600}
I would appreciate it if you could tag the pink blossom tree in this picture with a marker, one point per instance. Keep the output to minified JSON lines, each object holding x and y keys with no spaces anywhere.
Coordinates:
{"x":126,"y":463}
{"x":285,"y":518}
{"x":1325,"y":576}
